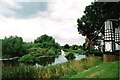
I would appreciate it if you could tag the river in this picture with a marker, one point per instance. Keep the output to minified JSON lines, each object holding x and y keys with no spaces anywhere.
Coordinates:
{"x":50,"y":60}
{"x":62,"y":59}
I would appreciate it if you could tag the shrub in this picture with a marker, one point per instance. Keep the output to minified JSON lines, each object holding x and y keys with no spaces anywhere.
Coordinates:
{"x":29,"y":58}
{"x":70,"y":56}
{"x":51,"y":52}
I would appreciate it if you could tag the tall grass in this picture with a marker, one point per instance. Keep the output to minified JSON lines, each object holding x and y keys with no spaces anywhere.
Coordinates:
{"x":55,"y":71}
{"x":109,"y":70}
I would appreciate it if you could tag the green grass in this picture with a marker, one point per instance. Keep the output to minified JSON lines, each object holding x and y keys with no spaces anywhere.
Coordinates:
{"x":104,"y":70}
{"x":67,"y":69}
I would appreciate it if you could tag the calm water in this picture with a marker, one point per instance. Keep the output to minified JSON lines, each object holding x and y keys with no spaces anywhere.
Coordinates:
{"x":62,"y":59}
{"x":43,"y":61}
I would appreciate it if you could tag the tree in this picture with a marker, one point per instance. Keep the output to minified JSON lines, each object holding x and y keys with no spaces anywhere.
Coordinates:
{"x":94,"y":17}
{"x":70,"y":56}
{"x":51,"y":52}
{"x":28,"y":58}
{"x":39,"y":55}
{"x":66,"y":46}
{"x":44,"y":46}
{"x":12,"y":46}
{"x":74,"y":47}
{"x":48,"y":42}
{"x":44,"y":38}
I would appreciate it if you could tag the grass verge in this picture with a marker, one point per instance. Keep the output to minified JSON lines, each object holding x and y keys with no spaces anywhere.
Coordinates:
{"x":104,"y":70}
{"x":67,"y":69}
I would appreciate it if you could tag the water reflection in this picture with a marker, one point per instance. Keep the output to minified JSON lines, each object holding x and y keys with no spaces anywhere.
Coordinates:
{"x":46,"y":60}
{"x":43,"y":61}
{"x":61,"y":59}
{"x":78,"y":57}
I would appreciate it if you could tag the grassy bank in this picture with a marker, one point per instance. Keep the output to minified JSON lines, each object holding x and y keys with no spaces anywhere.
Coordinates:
{"x":67,"y":69}
{"x":104,"y":70}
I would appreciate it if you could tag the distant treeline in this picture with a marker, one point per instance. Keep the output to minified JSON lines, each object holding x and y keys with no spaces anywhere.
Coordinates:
{"x":30,"y":52}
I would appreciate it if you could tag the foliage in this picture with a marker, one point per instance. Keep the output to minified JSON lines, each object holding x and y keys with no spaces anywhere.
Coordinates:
{"x":80,"y":51}
{"x":30,"y":52}
{"x":72,"y":72}
{"x":12,"y":46}
{"x":94,"y":51}
{"x":51,"y":52}
{"x":53,"y":72}
{"x":49,"y":43}
{"x":44,"y":38}
{"x":29,"y":58}
{"x":70,"y":56}
{"x":39,"y":55}
{"x":28,"y":45}
{"x":74,"y":47}
{"x":105,"y":70}
{"x":94,"y":17}
{"x":46,"y":41}
{"x":66,"y":46}
{"x":21,"y":72}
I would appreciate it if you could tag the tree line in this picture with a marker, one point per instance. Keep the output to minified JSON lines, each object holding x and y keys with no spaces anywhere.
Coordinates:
{"x":44,"y":45}
{"x":30,"y":52}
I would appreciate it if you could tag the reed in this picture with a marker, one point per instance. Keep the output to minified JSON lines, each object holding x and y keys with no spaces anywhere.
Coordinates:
{"x":54,"y":71}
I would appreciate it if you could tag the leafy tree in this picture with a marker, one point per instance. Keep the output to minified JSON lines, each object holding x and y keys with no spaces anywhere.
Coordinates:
{"x":12,"y":46}
{"x":36,"y":54}
{"x":43,"y":46}
{"x":26,"y":46}
{"x":44,"y":38}
{"x":37,"y":45}
{"x":94,"y":17}
{"x":33,"y":55}
{"x":46,"y":41}
{"x":29,"y":45}
{"x":81,"y":47}
{"x":28,"y":58}
{"x":70,"y":56}
{"x":66,"y":46}
{"x":39,"y":55}
{"x":75,"y":47}
{"x":51,"y":52}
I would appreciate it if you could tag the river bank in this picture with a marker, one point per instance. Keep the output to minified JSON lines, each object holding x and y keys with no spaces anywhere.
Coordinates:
{"x":104,"y":70}
{"x":54,"y":71}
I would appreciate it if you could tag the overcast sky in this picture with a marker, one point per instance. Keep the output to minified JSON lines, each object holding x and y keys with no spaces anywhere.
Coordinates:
{"x":33,"y":18}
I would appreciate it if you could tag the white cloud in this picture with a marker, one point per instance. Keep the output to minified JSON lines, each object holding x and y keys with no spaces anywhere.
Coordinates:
{"x":6,"y":5}
{"x":59,"y":21}
{"x":9,"y":2}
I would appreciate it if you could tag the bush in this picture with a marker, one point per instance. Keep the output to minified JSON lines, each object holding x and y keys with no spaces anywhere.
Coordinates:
{"x":51,"y":52}
{"x":70,"y":56}
{"x":29,"y":58}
